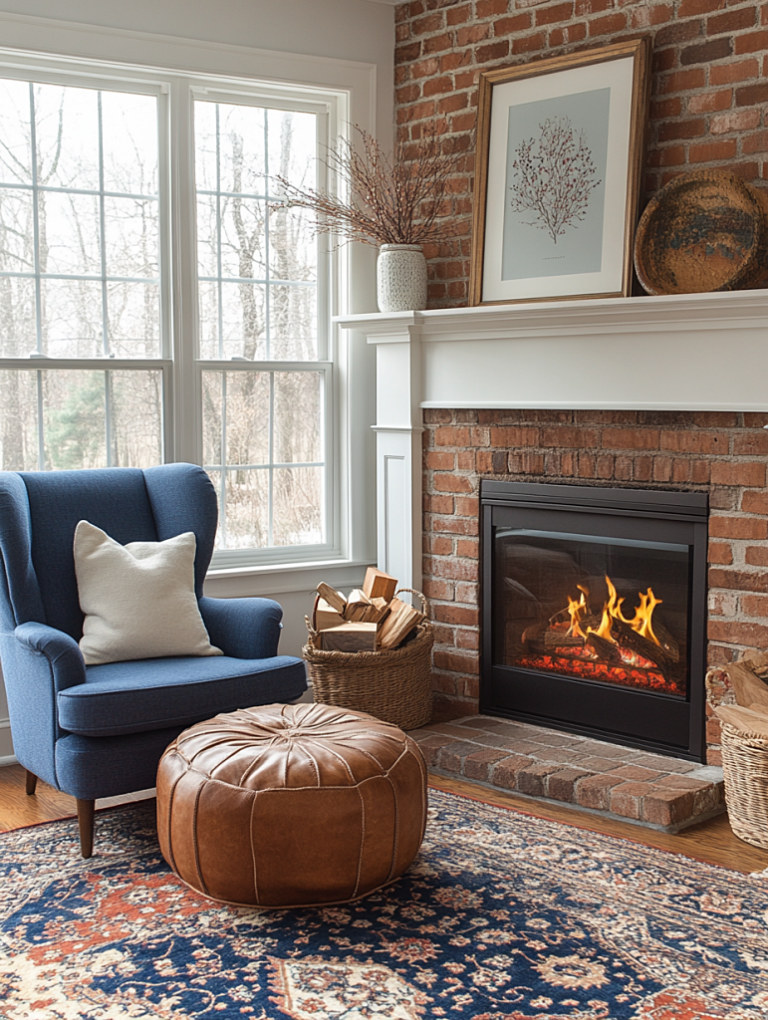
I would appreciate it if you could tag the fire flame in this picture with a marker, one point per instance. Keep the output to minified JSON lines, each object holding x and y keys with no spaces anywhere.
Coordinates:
{"x":576,"y":610}
{"x":641,"y":623}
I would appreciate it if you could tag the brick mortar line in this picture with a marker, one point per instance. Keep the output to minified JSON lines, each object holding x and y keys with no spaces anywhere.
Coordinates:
{"x":402,"y":16}
{"x":533,"y":30}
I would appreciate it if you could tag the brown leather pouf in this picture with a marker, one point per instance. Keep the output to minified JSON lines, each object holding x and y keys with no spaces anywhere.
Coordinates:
{"x":291,"y":805}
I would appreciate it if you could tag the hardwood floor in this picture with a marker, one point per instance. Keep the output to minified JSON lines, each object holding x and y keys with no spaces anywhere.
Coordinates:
{"x":18,"y":810}
{"x":712,"y":841}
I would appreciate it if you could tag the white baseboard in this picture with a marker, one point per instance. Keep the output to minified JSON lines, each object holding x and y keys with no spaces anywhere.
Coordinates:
{"x":8,"y":759}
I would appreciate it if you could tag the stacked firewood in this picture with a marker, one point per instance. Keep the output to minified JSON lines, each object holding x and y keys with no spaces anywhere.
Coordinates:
{"x":369,"y":619}
{"x":749,"y":679}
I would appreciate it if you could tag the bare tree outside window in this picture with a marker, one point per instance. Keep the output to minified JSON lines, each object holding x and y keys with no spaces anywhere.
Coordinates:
{"x":553,"y":177}
{"x":86,"y":338}
{"x":257,"y":263}
{"x":79,"y":266}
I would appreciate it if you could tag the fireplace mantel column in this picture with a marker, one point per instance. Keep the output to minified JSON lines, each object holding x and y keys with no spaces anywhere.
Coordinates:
{"x":398,"y":431}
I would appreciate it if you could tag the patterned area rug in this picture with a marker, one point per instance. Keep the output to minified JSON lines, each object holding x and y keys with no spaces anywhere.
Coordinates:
{"x":502,"y":917}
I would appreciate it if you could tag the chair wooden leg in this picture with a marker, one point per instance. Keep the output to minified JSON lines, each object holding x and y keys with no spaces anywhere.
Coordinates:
{"x":31,"y":782}
{"x":85,"y":818}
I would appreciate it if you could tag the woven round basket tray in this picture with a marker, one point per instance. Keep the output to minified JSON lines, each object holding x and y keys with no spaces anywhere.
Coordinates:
{"x":745,"y":774}
{"x":704,"y":231}
{"x":394,"y":685}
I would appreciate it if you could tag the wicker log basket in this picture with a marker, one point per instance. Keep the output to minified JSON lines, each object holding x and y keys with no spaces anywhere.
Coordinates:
{"x":745,"y":774}
{"x":395,"y":686}
{"x":745,"y":753}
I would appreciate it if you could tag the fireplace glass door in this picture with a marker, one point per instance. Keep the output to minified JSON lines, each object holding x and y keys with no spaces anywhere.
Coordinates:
{"x":608,"y":610}
{"x":594,"y":611}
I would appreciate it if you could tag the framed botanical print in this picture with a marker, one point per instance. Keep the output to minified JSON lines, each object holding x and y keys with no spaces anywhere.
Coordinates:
{"x":559,"y":157}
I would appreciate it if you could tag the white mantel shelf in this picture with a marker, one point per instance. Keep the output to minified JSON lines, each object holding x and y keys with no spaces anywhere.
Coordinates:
{"x":695,"y":352}
{"x":689,"y":352}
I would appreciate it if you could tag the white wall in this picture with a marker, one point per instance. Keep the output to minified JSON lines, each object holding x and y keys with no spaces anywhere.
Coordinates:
{"x":347,"y":43}
{"x":355,"y":30}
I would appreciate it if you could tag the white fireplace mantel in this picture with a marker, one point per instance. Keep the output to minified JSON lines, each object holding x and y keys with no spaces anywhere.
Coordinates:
{"x":693,"y":352}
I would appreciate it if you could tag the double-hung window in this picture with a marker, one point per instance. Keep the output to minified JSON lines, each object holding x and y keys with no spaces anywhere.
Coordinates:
{"x":156,"y":301}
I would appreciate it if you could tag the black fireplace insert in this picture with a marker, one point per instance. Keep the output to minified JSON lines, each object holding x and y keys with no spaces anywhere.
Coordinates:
{"x":594,"y":611}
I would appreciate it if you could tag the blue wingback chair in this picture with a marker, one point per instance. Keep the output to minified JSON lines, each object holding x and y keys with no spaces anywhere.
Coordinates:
{"x":99,"y":731}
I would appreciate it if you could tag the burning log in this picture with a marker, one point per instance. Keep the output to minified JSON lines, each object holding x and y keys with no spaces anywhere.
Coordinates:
{"x":534,"y":633}
{"x":668,"y":643}
{"x":629,"y":638}
{"x":561,"y":639}
{"x":607,"y":650}
{"x":607,"y":645}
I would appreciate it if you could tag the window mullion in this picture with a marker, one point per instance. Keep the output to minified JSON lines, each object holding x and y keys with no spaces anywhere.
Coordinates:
{"x":267,"y":275}
{"x":102,"y":238}
{"x":223,"y":480}
{"x":40,"y":423}
{"x":219,"y":269}
{"x":245,"y":365}
{"x":87,"y":364}
{"x":36,"y":223}
{"x":38,"y":294}
{"x":187,"y":414}
{"x":108,"y":429}
{"x":271,"y":460}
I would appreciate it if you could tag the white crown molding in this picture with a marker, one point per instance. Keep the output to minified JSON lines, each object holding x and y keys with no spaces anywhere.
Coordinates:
{"x":676,"y":312}
{"x":72,"y":42}
{"x":701,"y":352}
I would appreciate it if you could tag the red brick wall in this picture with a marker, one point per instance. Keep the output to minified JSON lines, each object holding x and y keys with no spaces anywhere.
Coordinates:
{"x":723,"y":453}
{"x":709,"y":90}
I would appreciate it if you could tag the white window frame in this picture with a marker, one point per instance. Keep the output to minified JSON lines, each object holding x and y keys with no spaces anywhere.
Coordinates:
{"x":327,"y":127}
{"x":179,"y":364}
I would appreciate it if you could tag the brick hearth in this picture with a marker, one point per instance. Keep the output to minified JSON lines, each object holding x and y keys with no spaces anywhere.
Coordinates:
{"x":722,"y":453}
{"x":618,"y":782}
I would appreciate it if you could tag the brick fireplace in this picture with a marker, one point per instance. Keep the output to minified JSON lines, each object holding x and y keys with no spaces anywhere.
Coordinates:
{"x":555,"y":393}
{"x":687,"y":424}
{"x":720,"y":453}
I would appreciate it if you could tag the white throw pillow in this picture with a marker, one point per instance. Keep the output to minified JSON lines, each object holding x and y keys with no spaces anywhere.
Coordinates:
{"x":138,"y":599}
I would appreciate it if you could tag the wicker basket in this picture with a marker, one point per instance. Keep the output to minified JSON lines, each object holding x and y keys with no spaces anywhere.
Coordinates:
{"x":745,"y":774}
{"x":745,"y":777}
{"x":395,"y":686}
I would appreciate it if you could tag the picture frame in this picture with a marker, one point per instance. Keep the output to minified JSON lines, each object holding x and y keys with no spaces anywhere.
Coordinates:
{"x":559,"y":159}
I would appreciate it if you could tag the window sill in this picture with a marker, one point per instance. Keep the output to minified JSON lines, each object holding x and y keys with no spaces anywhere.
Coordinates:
{"x":274,"y":579}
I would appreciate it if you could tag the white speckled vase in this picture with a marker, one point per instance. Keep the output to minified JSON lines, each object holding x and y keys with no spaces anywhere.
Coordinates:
{"x":401,"y":278}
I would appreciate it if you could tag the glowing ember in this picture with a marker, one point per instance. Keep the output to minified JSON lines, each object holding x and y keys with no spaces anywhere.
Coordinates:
{"x":590,"y":655}
{"x":586,"y":669}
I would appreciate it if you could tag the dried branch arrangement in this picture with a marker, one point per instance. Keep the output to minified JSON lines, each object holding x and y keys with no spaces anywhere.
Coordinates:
{"x":390,"y":202}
